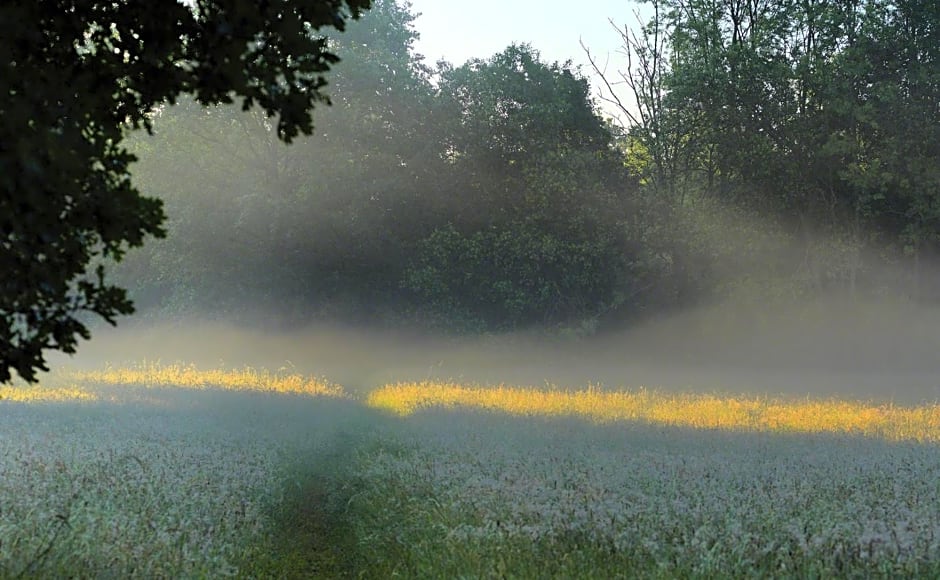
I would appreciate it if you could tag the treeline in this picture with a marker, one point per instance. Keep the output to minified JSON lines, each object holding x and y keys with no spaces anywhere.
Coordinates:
{"x":821,"y":116}
{"x":779,"y":150}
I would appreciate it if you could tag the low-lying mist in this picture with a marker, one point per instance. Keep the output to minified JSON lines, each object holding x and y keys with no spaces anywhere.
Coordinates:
{"x":872,"y":351}
{"x":759,"y":339}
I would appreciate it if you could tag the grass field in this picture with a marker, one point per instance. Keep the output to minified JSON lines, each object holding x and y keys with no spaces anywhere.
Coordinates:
{"x":173,"y":471}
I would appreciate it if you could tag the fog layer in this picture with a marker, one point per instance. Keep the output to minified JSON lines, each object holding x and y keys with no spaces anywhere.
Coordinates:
{"x":867,"y":351}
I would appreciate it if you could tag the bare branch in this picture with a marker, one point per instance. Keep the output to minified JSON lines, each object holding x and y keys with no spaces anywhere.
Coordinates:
{"x":613,"y":99}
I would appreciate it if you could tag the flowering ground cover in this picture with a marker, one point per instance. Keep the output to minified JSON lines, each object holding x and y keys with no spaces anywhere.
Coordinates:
{"x":159,"y":482}
{"x":177,"y":472}
{"x":524,"y":482}
{"x":477,"y":494}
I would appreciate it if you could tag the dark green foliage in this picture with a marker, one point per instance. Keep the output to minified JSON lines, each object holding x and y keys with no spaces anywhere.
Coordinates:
{"x":820,"y":116}
{"x":412,"y":203}
{"x":516,"y":276}
{"x":75,"y":75}
{"x":538,"y":200}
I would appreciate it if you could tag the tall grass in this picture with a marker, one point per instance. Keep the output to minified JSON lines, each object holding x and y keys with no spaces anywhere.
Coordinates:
{"x":175,"y":471}
{"x":137,"y":478}
{"x":21,"y":393}
{"x":154,"y":374}
{"x":701,"y":411}
{"x":470,"y":493}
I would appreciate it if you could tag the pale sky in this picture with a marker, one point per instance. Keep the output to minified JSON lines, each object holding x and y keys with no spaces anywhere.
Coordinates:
{"x":457,"y":30}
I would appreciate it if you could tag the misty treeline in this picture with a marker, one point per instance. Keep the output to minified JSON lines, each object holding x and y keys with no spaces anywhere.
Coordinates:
{"x":776,"y":151}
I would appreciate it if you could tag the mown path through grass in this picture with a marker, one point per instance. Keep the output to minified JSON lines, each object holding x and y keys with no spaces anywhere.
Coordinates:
{"x":310,"y":535}
{"x":151,"y":480}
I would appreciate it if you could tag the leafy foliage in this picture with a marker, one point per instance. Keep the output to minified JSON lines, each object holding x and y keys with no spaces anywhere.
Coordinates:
{"x":75,"y":76}
{"x":820,"y":116}
{"x":538,"y":199}
{"x":344,"y":224}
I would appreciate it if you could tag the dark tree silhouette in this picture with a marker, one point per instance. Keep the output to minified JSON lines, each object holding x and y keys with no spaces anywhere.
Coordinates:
{"x":75,"y":76}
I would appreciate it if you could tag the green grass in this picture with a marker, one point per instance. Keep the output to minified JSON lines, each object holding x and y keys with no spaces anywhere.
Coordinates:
{"x":159,"y":482}
{"x":309,"y":536}
{"x":479,"y":495}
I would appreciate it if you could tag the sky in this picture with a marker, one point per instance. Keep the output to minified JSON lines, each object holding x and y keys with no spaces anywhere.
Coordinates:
{"x":458,"y":30}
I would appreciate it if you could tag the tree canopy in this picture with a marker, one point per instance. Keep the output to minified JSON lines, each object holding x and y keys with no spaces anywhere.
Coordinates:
{"x":75,"y":77}
{"x":778,"y":160}
{"x":816,"y":115}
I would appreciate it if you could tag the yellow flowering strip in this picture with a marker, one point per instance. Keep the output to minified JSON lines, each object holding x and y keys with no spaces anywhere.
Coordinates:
{"x":22,"y":393}
{"x":246,"y":379}
{"x":689,"y":410}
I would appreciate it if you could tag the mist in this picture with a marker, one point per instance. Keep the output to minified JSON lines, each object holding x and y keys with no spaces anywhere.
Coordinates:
{"x":416,"y":235}
{"x":875,"y":351}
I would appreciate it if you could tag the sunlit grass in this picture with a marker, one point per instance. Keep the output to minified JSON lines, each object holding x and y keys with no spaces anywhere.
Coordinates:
{"x":23,"y":393}
{"x":701,"y":411}
{"x":191,"y":377}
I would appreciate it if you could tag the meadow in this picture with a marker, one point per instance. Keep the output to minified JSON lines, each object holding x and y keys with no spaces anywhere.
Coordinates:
{"x":175,"y":471}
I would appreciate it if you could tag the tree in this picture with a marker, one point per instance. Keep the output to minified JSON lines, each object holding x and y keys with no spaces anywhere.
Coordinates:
{"x":75,"y":76}
{"x":816,"y":115}
{"x":532,"y":225}
{"x":290,"y":234}
{"x":662,"y":136}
